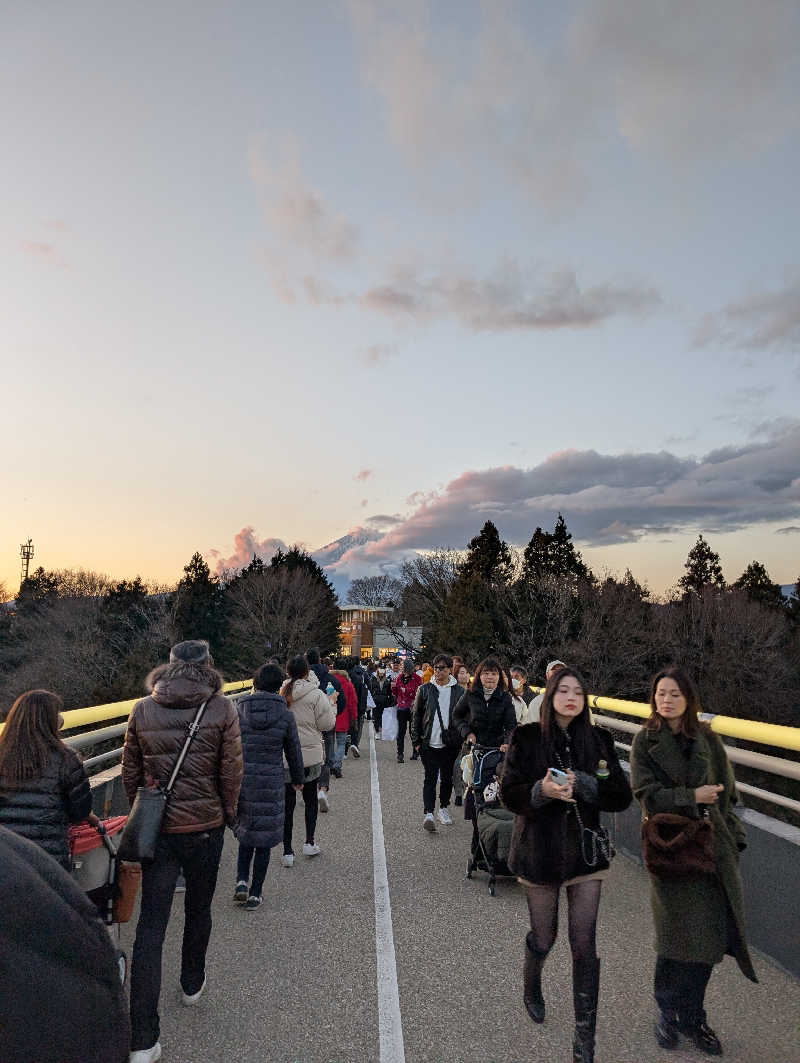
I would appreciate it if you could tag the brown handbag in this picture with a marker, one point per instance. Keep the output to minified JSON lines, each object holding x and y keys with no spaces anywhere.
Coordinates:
{"x":675,"y":846}
{"x":129,"y":877}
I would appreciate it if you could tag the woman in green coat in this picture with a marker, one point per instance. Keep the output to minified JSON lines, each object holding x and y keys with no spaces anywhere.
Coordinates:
{"x":679,"y":765}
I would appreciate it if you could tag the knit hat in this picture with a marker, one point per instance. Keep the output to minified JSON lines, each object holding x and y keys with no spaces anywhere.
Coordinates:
{"x":554,"y":664}
{"x":192,"y":651}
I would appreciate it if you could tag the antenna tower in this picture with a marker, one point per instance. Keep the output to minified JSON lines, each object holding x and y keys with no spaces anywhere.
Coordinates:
{"x":26,"y":553}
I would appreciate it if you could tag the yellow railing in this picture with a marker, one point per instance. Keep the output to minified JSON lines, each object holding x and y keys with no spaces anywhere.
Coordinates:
{"x":767,"y":734}
{"x":116,"y":710}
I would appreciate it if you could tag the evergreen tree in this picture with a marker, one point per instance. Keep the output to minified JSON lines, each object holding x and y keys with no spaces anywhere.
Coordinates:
{"x":488,"y":557}
{"x":755,"y":582}
{"x":41,"y":588}
{"x":553,"y":554}
{"x":536,"y":556}
{"x":199,"y":605}
{"x":703,"y":569}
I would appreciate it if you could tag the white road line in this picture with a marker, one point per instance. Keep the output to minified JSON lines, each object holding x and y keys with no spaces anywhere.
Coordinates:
{"x":390,"y":1023}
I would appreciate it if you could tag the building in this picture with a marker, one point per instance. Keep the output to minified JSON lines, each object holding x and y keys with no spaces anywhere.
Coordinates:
{"x":369,"y":631}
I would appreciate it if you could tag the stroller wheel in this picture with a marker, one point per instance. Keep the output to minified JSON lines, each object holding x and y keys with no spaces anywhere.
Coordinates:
{"x":122,"y":966}
{"x":491,"y":889}
{"x":470,"y":868}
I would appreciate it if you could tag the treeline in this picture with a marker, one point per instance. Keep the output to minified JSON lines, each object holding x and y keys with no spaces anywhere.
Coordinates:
{"x":93,"y":640}
{"x":740,"y":641}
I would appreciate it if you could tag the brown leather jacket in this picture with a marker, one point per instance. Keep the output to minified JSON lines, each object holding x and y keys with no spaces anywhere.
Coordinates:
{"x":206,"y":791}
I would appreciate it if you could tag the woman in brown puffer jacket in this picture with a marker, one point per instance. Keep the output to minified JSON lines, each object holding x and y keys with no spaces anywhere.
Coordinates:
{"x":202,"y":802}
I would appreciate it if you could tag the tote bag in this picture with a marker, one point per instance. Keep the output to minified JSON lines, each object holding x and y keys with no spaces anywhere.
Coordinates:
{"x":389,"y":724}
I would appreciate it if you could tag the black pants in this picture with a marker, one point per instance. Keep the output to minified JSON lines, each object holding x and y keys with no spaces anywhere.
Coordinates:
{"x":438,"y":763}
{"x":197,"y":855}
{"x":355,"y":731}
{"x":329,"y":739}
{"x":403,"y":716}
{"x":260,"y":860}
{"x":377,"y":716}
{"x":312,"y":810}
{"x":681,"y":987}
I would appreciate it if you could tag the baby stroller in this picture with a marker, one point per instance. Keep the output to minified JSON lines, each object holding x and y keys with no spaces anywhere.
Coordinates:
{"x":107,"y":882}
{"x":491,"y":823}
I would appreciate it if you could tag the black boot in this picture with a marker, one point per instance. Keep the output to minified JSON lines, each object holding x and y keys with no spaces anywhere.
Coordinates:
{"x":696,"y":1028}
{"x":585,"y":990}
{"x":666,"y":1029}
{"x":532,"y":979}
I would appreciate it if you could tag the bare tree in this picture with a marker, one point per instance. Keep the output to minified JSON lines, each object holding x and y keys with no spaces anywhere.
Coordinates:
{"x":375,"y":591}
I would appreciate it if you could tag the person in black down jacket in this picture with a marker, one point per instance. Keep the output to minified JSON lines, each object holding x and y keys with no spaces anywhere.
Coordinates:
{"x":43,"y":785}
{"x":269,"y":731}
{"x":485,"y":715}
{"x":555,"y":841}
{"x":62,"y":1000}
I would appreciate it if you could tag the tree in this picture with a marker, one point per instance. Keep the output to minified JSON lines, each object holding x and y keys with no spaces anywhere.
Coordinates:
{"x":757,"y":585}
{"x":553,"y":554}
{"x":536,"y":556}
{"x":326,"y":627}
{"x":488,"y":557}
{"x":198,"y":610}
{"x":375,"y":591}
{"x":703,"y":569}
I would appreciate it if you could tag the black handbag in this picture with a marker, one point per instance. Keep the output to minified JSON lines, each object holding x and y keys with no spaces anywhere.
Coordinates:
{"x":141,"y":833}
{"x":450,"y":736}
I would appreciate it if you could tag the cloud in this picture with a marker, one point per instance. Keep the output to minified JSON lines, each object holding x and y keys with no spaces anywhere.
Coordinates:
{"x":377,"y":353}
{"x":508,"y":299}
{"x":39,"y":250}
{"x":606,"y":499}
{"x":246,"y":547}
{"x":297,"y":214}
{"x":363,"y":474}
{"x":793,"y":529}
{"x":763,"y":321}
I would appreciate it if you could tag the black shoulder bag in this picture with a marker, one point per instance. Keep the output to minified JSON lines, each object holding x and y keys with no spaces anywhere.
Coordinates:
{"x":450,"y":736}
{"x":141,"y":833}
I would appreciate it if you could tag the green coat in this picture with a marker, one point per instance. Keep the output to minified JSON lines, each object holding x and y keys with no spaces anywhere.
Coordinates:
{"x":691,"y":914}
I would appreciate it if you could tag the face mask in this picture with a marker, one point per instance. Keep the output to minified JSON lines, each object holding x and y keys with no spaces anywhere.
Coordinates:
{"x":517,"y":683}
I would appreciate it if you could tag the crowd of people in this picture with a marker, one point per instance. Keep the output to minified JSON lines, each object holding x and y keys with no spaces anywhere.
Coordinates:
{"x":250,"y":759}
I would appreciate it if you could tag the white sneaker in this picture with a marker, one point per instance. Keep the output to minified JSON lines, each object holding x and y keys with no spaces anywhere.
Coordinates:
{"x":287,"y":860}
{"x":355,"y":752}
{"x":444,"y":817}
{"x":146,"y":1055}
{"x":429,"y":823}
{"x":322,"y":800}
{"x":190,"y":1000}
{"x":309,"y":849}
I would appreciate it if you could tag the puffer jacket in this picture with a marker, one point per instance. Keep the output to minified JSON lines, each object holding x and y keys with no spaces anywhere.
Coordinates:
{"x":206,"y":791}
{"x":490,"y":721}
{"x":404,"y":690}
{"x":313,"y":713}
{"x":269,"y":732}
{"x":349,"y":714}
{"x":41,"y":809}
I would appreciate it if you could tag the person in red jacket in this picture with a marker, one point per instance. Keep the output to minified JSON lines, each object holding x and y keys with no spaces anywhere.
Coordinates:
{"x":404,"y":690}
{"x":345,"y":718}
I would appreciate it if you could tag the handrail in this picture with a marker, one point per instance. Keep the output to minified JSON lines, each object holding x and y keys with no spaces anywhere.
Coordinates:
{"x":767,"y":734}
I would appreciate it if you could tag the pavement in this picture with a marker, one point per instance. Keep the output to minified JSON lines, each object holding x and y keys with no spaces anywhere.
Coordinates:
{"x":296,"y":980}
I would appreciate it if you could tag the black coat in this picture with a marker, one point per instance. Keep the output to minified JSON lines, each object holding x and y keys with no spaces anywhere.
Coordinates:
{"x":545,"y":843}
{"x":490,"y":721}
{"x":269,"y":731}
{"x":357,"y":678}
{"x":43,"y":808}
{"x":62,"y":1000}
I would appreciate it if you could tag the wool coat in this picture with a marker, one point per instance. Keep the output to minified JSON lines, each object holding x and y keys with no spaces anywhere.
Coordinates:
{"x":268,"y":731}
{"x":545,"y":843}
{"x":701,"y":917}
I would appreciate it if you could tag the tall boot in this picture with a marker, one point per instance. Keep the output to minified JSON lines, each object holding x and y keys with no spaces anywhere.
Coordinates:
{"x":585,"y":990}
{"x":532,"y":979}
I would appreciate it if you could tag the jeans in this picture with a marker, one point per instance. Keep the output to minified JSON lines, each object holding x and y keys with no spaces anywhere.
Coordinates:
{"x":681,"y":988}
{"x":438,"y":763}
{"x":260,"y":859}
{"x":329,"y":739}
{"x":338,"y":754}
{"x":312,"y":808}
{"x":403,"y":716}
{"x":197,"y":855}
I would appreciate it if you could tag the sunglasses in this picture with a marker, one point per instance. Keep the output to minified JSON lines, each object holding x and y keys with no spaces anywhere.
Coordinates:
{"x":440,"y":667}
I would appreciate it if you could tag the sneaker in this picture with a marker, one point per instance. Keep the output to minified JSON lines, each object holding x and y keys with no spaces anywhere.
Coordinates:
{"x":378,"y":733}
{"x":444,"y":817}
{"x":240,"y":895}
{"x":190,"y":999}
{"x":415,"y":755}
{"x":310,"y":849}
{"x":429,"y":823}
{"x":287,"y":860}
{"x":322,"y":800}
{"x":253,"y":903}
{"x":400,"y":758}
{"x":355,"y":752}
{"x":336,"y":773}
{"x":146,"y":1055}
{"x":459,"y":801}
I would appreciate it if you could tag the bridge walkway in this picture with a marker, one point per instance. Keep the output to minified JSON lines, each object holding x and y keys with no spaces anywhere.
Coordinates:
{"x":296,"y":980}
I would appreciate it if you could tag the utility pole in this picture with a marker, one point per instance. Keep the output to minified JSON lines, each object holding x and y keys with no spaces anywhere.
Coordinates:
{"x":26,"y":553}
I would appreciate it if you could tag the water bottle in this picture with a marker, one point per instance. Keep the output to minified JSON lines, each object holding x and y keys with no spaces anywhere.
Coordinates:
{"x":330,"y":688}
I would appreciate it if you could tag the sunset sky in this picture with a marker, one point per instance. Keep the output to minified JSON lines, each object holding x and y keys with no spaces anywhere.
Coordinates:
{"x":283,"y":271}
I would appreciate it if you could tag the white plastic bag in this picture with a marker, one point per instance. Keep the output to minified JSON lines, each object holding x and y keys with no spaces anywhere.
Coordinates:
{"x":467,"y":769}
{"x":389,"y":724}
{"x":370,"y":699}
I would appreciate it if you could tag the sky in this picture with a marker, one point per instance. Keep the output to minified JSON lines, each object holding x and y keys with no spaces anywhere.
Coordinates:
{"x":295,"y":272}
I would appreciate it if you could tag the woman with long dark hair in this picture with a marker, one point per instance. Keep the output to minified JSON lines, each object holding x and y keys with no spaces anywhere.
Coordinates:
{"x":557,"y":839}
{"x":43,"y":784}
{"x":679,"y":765}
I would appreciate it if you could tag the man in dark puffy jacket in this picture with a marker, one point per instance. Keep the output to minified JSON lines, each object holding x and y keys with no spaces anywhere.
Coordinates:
{"x":62,"y":999}
{"x":203,"y":800}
